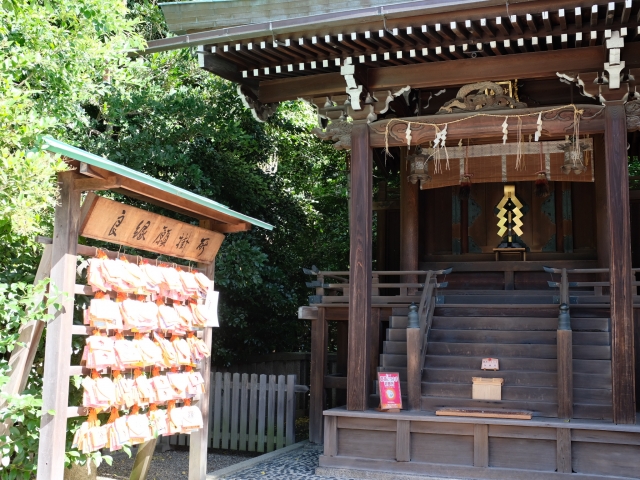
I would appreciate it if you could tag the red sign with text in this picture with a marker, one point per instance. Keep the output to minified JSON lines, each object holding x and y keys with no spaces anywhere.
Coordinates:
{"x":389,"y":386}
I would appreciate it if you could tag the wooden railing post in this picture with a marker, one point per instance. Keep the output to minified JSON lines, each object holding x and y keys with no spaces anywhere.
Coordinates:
{"x":414,"y":347}
{"x":319,"y":338}
{"x":565,"y":361}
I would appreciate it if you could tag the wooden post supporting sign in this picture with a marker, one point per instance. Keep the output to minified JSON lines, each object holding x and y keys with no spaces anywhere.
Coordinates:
{"x":55,"y":394}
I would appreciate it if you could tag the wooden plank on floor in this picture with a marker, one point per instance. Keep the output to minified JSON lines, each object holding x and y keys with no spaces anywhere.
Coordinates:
{"x":483,"y":413}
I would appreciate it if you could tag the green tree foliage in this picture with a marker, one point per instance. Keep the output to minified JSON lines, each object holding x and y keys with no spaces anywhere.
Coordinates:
{"x":65,"y":72}
{"x":187,"y":127}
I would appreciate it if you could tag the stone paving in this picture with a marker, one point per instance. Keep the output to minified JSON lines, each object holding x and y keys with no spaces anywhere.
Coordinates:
{"x":299,"y":464}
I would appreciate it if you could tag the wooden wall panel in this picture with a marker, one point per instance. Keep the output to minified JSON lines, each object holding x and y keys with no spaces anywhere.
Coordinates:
{"x":605,"y":459}
{"x":522,"y":453}
{"x":439,"y":222}
{"x":444,"y":449}
{"x":367,"y":444}
{"x":478,"y":229}
{"x":583,"y":202}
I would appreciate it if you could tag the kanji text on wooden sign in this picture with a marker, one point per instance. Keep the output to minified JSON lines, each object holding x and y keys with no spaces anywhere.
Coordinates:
{"x":114,"y":222}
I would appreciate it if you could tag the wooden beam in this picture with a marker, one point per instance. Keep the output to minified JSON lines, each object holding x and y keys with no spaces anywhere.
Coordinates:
{"x":360,"y":267}
{"x":319,"y":340}
{"x":489,"y":126}
{"x":530,"y":65}
{"x":622,"y":344}
{"x":55,"y":394}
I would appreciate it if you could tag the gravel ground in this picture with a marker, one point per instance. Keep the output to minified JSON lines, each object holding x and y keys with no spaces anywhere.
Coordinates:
{"x":170,"y":465}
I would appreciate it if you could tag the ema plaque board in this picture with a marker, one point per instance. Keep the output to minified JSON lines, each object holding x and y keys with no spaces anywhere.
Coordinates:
{"x":115,"y":222}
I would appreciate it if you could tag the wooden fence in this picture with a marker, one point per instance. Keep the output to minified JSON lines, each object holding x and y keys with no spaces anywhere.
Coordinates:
{"x":249,"y":413}
{"x":287,"y":363}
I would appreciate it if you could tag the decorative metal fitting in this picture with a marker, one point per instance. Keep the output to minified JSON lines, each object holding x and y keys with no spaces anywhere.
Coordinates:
{"x":573,"y":157}
{"x":419,"y":168}
{"x":564,"y":319}
{"x":413,"y":317}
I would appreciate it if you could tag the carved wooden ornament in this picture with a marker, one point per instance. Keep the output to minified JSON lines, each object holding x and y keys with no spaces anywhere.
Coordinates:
{"x":473,"y":97}
{"x":115,"y":222}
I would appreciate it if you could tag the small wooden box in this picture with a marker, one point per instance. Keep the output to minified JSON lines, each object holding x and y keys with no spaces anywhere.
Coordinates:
{"x":487,"y":388}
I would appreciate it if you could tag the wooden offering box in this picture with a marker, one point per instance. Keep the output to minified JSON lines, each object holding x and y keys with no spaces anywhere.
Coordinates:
{"x":487,"y":388}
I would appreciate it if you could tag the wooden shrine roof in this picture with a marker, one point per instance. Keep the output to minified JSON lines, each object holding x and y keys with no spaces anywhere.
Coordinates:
{"x":143,"y":187}
{"x":201,"y":15}
{"x":424,"y":44}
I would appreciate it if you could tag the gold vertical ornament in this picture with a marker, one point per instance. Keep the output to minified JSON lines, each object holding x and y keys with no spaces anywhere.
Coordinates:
{"x":510,"y":214}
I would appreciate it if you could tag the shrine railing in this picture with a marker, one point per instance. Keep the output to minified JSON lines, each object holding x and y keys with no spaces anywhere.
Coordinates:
{"x":599,"y":295}
{"x":332,"y":287}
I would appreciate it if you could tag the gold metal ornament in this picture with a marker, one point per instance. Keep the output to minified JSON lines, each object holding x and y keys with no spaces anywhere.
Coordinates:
{"x":509,"y":215}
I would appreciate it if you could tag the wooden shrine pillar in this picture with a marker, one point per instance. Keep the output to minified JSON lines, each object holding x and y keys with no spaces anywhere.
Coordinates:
{"x":618,"y":224}
{"x":360,"y":267}
{"x":381,"y":217}
{"x":409,"y":225}
{"x":55,"y":392}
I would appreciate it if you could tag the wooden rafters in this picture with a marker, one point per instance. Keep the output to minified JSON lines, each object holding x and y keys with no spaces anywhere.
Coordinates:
{"x":438,"y":74}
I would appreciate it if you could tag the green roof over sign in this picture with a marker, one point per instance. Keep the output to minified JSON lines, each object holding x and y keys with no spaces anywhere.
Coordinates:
{"x":56,"y":146}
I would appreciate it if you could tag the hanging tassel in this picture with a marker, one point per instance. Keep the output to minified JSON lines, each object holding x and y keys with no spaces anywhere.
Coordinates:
{"x":542,"y":185}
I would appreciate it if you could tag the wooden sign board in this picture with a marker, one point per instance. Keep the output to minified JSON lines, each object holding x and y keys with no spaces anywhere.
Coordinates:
{"x":490,"y":364}
{"x":390,"y":396}
{"x":115,"y":222}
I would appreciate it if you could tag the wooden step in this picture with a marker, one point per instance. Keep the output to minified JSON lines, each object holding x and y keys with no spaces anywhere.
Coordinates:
{"x":401,"y":370}
{"x":513,"y":393}
{"x":515,"y":377}
{"x":538,"y":409}
{"x":495,"y":310}
{"x":586,"y":352}
{"x":518,"y":393}
{"x":398,"y":321}
{"x":391,"y":360}
{"x":592,"y":412}
{"x":474,"y":363}
{"x":508,"y":310}
{"x":498,"y":298}
{"x":397,"y":334}
{"x":517,"y":323}
{"x":397,"y":348}
{"x":515,"y":337}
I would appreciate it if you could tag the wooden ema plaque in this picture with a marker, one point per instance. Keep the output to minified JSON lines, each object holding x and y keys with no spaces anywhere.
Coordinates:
{"x":115,"y":222}
{"x":390,"y":396}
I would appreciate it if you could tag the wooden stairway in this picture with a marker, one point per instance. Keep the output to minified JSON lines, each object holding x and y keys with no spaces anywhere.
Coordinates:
{"x":523,"y":337}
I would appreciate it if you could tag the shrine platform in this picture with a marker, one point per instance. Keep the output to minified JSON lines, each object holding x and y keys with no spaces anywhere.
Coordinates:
{"x":415,"y":443}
